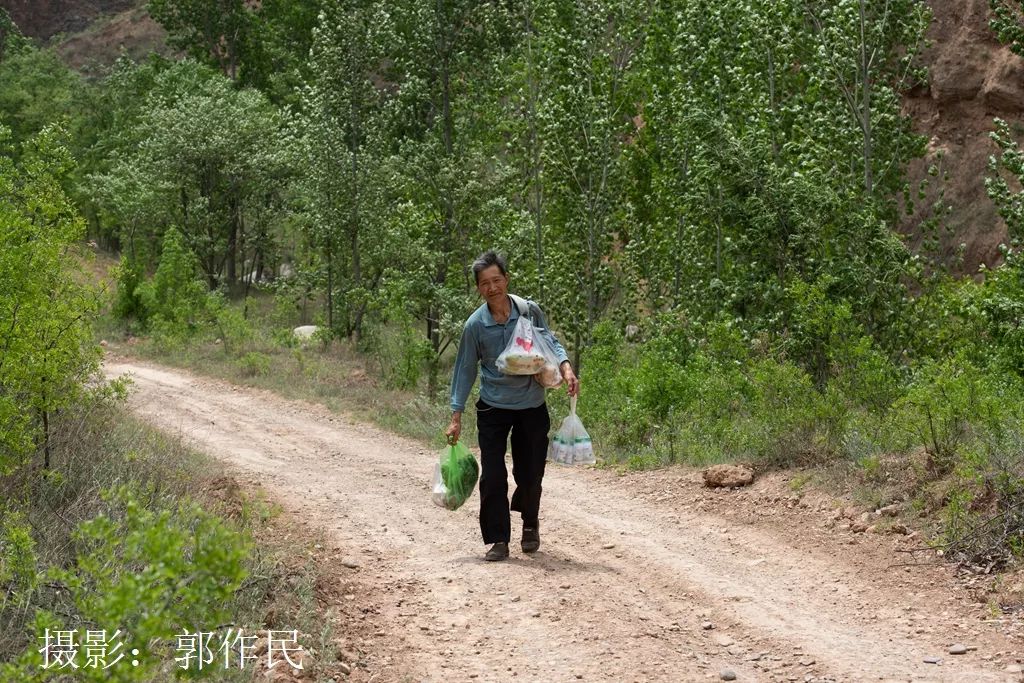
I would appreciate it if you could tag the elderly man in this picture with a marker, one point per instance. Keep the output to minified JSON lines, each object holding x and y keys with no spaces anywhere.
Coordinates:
{"x":509,"y":404}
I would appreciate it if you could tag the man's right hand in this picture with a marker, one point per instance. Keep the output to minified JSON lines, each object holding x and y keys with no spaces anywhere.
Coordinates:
{"x":454,"y":429}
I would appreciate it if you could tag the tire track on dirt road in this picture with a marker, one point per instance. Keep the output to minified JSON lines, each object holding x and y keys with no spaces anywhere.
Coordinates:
{"x":619,"y":591}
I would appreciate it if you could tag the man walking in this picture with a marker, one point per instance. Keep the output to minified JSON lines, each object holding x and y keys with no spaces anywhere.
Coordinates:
{"x":509,"y":404}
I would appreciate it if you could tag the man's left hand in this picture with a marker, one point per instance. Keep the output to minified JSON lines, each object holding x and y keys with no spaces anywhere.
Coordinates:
{"x":572,"y":383}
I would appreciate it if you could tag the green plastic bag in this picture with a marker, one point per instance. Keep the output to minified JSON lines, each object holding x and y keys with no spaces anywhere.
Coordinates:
{"x":454,"y":477}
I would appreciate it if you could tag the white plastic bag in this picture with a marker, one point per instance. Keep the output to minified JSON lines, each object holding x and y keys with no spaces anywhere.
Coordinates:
{"x":550,"y":376}
{"x":571,"y":443}
{"x":439,"y":492}
{"x":521,"y":356}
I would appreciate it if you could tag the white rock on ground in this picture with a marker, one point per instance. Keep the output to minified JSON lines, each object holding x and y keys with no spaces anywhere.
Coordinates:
{"x":305,"y":332}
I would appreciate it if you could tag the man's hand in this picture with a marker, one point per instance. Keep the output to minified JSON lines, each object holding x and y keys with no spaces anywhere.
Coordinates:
{"x":572,"y":384}
{"x":454,"y":429}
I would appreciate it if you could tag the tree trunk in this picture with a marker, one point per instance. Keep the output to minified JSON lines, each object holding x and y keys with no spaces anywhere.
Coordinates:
{"x":46,"y":440}
{"x":354,"y":229}
{"x":330,"y":288}
{"x":538,"y":192}
{"x":232,"y":255}
{"x":865,"y":113}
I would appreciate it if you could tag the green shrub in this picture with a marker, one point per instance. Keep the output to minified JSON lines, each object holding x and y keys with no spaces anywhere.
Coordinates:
{"x":128,"y":299}
{"x":150,"y":568}
{"x":1001,"y":304}
{"x":153,"y":573}
{"x":253,"y":364}
{"x":17,"y":554}
{"x":401,"y":351}
{"x":229,"y":324}
{"x":174,"y":293}
{"x":946,"y":405}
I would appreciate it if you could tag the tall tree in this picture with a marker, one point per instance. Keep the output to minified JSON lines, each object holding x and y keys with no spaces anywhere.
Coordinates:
{"x":342,"y":110}
{"x":212,"y":32}
{"x":443,"y":154}
{"x":210,"y":160}
{"x":587,"y":117}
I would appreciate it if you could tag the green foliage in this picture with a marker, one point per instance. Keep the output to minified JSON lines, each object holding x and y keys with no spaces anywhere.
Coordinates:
{"x":253,"y":364}
{"x":948,"y":405}
{"x":46,"y":349}
{"x":1010,"y":163}
{"x":12,"y":41}
{"x":128,"y":298}
{"x":174,"y":296}
{"x":229,"y":323}
{"x":984,"y":514}
{"x":154,"y":571}
{"x":771,"y":156}
{"x":1007,"y":20}
{"x":834,"y":348}
{"x":213,"y":32}
{"x":36,"y":89}
{"x":18,"y":564}
{"x":199,"y":155}
{"x":1001,"y":308}
{"x":700,"y":396}
{"x":401,"y":353}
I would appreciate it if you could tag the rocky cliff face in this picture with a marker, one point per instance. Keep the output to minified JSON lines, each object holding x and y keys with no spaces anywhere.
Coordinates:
{"x":973,"y":79}
{"x":44,"y":19}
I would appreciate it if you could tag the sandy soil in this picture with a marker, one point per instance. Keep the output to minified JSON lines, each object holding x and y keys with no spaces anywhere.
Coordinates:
{"x":631,"y":571}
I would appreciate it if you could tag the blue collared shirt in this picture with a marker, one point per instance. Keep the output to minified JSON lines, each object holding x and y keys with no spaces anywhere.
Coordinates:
{"x":482,"y":342}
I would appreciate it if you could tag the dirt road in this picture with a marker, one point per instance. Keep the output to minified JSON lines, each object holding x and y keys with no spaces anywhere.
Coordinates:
{"x":631,"y":573}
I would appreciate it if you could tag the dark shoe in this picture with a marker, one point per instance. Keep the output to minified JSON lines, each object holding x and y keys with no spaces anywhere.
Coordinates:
{"x":497,"y":552}
{"x":531,"y":539}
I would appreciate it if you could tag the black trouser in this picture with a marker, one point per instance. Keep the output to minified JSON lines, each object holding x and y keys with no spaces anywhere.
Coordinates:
{"x":529,"y":429}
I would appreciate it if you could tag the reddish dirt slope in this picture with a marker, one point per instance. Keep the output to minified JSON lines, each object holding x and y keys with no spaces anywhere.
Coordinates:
{"x":45,"y":18}
{"x":973,"y":78}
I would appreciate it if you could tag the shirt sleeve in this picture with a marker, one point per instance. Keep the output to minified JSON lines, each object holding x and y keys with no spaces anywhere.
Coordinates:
{"x":541,"y":322}
{"x":466,"y":363}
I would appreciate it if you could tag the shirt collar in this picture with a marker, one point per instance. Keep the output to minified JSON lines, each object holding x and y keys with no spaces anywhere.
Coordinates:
{"x":488,"y":319}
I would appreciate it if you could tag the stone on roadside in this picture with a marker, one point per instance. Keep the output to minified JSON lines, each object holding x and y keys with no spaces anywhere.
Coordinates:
{"x":727,"y":675}
{"x":958,"y":649}
{"x":728,"y":476}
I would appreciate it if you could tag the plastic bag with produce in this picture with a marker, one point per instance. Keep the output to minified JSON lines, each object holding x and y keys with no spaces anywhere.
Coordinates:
{"x":571,"y":444}
{"x":455,"y":477}
{"x":522,"y":355}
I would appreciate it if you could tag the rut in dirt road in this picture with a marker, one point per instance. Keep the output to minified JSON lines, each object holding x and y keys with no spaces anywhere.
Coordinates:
{"x":622,"y":587}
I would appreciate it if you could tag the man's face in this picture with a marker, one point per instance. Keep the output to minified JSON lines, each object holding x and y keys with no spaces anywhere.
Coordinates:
{"x":492,"y":284}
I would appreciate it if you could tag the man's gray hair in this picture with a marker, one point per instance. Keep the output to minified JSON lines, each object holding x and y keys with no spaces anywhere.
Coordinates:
{"x":486,"y":260}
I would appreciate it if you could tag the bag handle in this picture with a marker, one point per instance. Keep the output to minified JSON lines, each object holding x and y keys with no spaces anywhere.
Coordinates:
{"x":572,"y":405}
{"x":523,"y":307}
